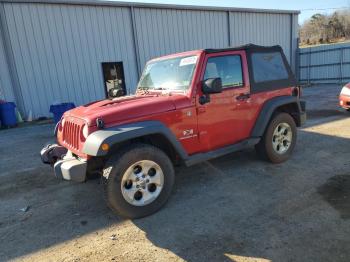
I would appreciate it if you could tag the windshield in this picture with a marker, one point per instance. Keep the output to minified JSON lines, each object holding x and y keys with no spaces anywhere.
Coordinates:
{"x":168,"y":74}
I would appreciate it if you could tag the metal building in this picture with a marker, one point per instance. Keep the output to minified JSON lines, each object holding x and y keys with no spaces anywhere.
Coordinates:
{"x":61,"y":51}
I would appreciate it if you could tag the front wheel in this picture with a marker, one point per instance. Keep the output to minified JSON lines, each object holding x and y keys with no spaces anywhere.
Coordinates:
{"x":279,"y":139}
{"x":138,"y":180}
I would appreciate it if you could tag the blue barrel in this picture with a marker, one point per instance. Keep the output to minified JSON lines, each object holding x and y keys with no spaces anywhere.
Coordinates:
{"x":8,"y":114}
{"x":59,"y":109}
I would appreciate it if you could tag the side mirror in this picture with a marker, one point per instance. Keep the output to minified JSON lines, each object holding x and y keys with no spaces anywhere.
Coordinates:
{"x":212,"y":86}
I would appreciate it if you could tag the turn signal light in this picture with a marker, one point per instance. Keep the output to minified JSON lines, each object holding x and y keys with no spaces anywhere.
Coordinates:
{"x":105,"y":147}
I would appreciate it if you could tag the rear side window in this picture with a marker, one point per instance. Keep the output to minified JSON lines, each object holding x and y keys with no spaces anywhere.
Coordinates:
{"x":268,"y":66}
{"x":228,"y":68}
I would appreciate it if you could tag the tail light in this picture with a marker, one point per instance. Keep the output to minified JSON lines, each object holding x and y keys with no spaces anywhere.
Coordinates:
{"x":296,"y":91}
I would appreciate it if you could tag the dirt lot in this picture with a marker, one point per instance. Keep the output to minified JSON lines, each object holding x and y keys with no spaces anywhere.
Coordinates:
{"x":235,"y":208}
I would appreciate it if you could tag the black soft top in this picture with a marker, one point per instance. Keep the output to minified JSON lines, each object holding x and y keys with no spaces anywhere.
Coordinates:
{"x":244,"y":47}
{"x":262,"y":86}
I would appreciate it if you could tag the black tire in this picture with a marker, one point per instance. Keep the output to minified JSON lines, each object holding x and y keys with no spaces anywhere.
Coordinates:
{"x":265,"y":147}
{"x":118,"y":164}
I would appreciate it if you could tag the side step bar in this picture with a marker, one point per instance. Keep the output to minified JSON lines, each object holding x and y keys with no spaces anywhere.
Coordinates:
{"x":197,"y":158}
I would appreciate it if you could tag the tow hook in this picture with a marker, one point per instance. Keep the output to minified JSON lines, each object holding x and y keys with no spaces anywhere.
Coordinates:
{"x":51,"y":153}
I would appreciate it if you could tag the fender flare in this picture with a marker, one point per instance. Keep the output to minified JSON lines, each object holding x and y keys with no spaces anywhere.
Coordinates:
{"x":270,"y":106}
{"x":114,"y":135}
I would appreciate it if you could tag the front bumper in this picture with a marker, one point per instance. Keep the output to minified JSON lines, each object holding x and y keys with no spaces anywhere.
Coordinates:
{"x":71,"y":168}
{"x":66,"y":166}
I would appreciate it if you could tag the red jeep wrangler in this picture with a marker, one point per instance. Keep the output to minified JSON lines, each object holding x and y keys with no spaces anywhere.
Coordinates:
{"x":188,"y":107}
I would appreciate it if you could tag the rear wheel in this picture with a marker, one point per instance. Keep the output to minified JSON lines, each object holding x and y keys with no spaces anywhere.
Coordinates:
{"x":279,"y":139}
{"x":138,"y":180}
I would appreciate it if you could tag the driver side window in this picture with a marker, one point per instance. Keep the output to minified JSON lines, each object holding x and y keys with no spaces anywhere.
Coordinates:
{"x":228,"y":68}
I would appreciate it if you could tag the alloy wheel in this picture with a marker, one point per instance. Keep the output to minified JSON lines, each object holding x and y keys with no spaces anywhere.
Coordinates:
{"x":142,"y":183}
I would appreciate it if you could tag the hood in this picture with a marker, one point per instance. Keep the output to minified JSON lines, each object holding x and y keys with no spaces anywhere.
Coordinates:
{"x":123,"y":108}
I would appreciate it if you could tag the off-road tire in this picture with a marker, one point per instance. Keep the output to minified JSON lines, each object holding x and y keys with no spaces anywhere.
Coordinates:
{"x":115,"y":168}
{"x":265,"y":148}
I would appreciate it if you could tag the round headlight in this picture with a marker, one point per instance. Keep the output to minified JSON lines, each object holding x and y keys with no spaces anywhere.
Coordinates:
{"x":85,"y":131}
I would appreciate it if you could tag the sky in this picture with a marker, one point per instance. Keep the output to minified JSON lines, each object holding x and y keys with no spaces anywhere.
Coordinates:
{"x":307,"y":7}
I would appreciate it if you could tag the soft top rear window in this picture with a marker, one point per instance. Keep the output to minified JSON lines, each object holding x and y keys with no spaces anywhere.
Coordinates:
{"x":268,"y":66}
{"x":268,"y":69}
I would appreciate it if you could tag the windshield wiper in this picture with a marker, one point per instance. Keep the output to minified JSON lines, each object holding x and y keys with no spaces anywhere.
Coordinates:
{"x":143,"y":87}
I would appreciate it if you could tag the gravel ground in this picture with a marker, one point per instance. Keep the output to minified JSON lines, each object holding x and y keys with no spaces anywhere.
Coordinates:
{"x":234,"y":208}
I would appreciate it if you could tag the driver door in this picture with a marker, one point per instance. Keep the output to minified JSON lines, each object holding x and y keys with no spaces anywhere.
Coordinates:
{"x":221,"y":121}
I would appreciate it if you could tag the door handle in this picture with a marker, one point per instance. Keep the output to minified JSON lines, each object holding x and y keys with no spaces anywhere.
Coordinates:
{"x":243,"y":97}
{"x":201,"y":109}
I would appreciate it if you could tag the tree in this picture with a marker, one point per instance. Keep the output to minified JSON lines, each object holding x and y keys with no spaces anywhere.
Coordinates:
{"x":322,"y":28}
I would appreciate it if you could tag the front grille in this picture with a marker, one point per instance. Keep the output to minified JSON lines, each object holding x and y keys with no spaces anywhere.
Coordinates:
{"x":71,"y":134}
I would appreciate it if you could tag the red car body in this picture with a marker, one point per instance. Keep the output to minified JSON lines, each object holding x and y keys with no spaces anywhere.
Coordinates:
{"x":344,"y":97}
{"x":188,"y":108}
{"x":210,"y":125}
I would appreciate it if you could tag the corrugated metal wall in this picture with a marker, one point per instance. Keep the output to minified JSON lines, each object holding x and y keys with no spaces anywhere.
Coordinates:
{"x":58,"y":48}
{"x":6,"y":92}
{"x":325,"y":64}
{"x":261,"y":29}
{"x":164,"y":31}
{"x":180,"y":30}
